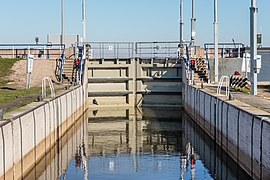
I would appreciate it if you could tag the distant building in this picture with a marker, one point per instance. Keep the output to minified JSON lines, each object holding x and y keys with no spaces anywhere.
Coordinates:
{"x":69,"y":40}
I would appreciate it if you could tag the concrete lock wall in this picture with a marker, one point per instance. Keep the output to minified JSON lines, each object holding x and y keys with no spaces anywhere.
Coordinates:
{"x":242,"y":134}
{"x":25,"y":139}
{"x":134,"y":82}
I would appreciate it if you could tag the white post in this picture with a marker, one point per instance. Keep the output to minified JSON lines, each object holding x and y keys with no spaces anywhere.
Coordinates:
{"x":83,"y":21}
{"x":253,"y":46}
{"x":216,"y":39}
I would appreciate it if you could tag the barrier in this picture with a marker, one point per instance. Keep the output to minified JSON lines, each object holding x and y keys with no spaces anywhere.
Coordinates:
{"x":25,"y":139}
{"x":241,"y":133}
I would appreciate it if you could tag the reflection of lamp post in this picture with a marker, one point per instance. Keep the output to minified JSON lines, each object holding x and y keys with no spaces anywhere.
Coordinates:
{"x":253,"y":46}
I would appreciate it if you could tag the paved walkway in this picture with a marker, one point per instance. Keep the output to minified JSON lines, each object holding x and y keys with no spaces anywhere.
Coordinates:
{"x":255,"y":101}
{"x":262,"y":101}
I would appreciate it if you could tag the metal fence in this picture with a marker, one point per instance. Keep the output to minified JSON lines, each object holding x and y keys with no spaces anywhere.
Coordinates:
{"x":126,"y":50}
{"x":157,"y":49}
{"x":45,"y":51}
{"x":112,"y":50}
{"x":226,"y":50}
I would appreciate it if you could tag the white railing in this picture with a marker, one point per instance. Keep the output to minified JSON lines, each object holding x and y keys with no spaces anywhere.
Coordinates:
{"x":227,"y":84}
{"x":44,"y":80}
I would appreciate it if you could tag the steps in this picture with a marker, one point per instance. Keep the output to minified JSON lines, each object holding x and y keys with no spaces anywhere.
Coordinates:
{"x":201,"y":71}
{"x":67,"y":70}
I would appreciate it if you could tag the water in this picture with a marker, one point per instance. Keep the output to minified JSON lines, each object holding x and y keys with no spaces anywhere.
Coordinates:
{"x":141,"y":144}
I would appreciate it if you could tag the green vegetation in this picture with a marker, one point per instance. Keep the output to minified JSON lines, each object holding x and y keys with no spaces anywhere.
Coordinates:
{"x":6,"y":65}
{"x":9,"y":95}
{"x":13,"y":98}
{"x":244,"y":90}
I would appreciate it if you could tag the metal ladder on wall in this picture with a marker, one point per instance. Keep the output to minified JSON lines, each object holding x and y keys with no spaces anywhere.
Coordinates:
{"x":44,"y":93}
{"x":227,"y":84}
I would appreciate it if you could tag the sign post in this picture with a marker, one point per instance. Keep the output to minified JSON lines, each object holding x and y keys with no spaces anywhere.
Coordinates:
{"x":29,"y":68}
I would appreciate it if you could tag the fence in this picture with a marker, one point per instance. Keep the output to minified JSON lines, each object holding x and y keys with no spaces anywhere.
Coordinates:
{"x":127,"y":50}
{"x":45,"y":51}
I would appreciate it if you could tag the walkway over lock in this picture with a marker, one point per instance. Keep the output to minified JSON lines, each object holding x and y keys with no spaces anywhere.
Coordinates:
{"x":134,"y":74}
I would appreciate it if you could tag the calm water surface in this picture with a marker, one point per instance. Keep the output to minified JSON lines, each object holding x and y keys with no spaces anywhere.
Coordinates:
{"x":136,"y":144}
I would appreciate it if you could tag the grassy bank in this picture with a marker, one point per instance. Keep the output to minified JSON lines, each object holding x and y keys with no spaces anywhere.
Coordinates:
{"x":13,"y":98}
{"x":5,"y":69}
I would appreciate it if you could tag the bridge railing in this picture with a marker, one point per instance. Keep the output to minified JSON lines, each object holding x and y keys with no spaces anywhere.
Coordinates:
{"x":157,"y":49}
{"x":112,"y":50}
{"x":118,"y":50}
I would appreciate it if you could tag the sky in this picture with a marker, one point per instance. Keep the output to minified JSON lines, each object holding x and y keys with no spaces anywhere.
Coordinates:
{"x":130,"y":20}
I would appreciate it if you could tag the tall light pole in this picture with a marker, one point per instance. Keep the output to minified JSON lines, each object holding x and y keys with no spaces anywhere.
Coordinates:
{"x":253,"y":46}
{"x":62,"y":41}
{"x":216,"y":39}
{"x":83,"y":21}
{"x":181,"y":23}
{"x":193,"y":24}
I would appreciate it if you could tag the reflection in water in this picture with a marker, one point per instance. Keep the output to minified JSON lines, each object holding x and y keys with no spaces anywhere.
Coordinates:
{"x":141,"y":144}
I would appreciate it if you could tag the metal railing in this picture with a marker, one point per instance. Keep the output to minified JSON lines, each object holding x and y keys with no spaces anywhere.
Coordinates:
{"x":226,"y":50}
{"x":112,"y":50}
{"x":227,"y":85}
{"x":157,"y":49}
{"x":45,"y":51}
{"x":44,"y":87}
{"x":125,"y":50}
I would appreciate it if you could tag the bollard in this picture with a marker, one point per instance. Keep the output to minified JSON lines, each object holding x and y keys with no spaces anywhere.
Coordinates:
{"x":1,"y":114}
{"x":231,"y":96}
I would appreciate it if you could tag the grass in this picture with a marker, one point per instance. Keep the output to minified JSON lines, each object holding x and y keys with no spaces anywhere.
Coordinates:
{"x":6,"y":65}
{"x":9,"y":97}
{"x":244,"y":90}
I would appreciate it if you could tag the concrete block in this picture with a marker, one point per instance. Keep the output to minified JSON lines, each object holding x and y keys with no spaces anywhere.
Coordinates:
{"x":233,"y":125}
{"x":105,"y":87}
{"x":17,"y":138}
{"x":8,"y":150}
{"x":266,"y":150}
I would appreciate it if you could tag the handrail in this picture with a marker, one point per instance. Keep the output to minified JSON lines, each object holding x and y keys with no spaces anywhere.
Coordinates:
{"x":62,"y":63}
{"x":188,"y":65}
{"x":227,"y":83}
{"x":44,"y":87}
{"x":226,"y":46}
{"x":208,"y":62}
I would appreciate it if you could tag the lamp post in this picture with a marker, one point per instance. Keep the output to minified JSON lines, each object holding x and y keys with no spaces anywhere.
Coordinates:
{"x":83,"y":21}
{"x":253,"y":46}
{"x":181,"y":23}
{"x":193,"y":24}
{"x":62,"y":23}
{"x":216,"y":40}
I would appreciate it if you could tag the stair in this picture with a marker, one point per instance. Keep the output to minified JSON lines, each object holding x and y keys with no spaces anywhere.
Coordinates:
{"x":67,"y":70}
{"x":201,"y":71}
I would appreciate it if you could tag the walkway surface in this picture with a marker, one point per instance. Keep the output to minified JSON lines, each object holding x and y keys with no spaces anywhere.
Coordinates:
{"x":261,"y":101}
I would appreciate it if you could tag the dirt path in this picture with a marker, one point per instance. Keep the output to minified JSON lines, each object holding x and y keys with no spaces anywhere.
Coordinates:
{"x":41,"y":68}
